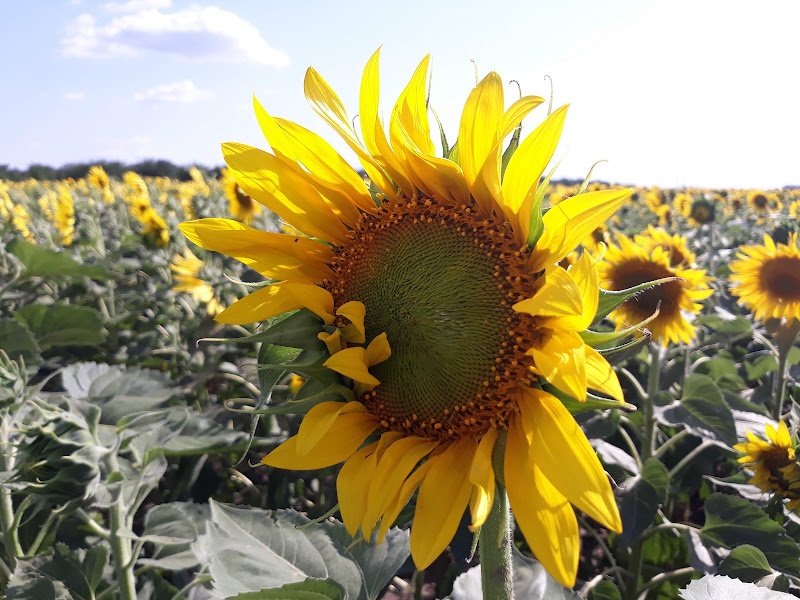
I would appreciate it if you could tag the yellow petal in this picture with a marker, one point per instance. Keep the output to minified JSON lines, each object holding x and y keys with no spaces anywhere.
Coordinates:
{"x":436,"y":177}
{"x":394,"y":466}
{"x":560,"y":449}
{"x":561,"y":360}
{"x":518,"y":111}
{"x":277,"y":299}
{"x":600,"y":375}
{"x":343,"y":439}
{"x":327,"y":166}
{"x":584,"y":274}
{"x":284,"y":190}
{"x":352,"y":363}
{"x":327,"y":104}
{"x":372,"y":129}
{"x":410,"y":112}
{"x":558,"y":297}
{"x":319,"y":420}
{"x":274,"y":255}
{"x":571,"y":221}
{"x":352,"y":485}
{"x":479,"y":132}
{"x":378,"y":350}
{"x":442,"y":499}
{"x":782,"y":437}
{"x":543,"y":514}
{"x":355,"y":312}
{"x":409,"y":487}
{"x":332,"y":341}
{"x":527,"y":164}
{"x":481,"y":476}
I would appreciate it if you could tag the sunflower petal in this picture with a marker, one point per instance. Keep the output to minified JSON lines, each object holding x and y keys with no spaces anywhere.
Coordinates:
{"x":352,"y":485}
{"x":343,"y":439}
{"x":319,"y":420}
{"x":409,"y":487}
{"x":561,"y":450}
{"x":561,"y":360}
{"x":378,"y":350}
{"x":543,"y":514}
{"x":277,"y":299}
{"x":481,"y":476}
{"x":600,"y":375}
{"x":442,"y":499}
{"x":354,"y":311}
{"x":352,"y":363}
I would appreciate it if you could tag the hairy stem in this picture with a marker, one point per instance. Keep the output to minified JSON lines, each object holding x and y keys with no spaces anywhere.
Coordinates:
{"x":495,"y":550}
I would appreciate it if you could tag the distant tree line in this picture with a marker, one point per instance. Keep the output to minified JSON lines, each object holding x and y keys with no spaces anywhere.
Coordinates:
{"x":149,"y":168}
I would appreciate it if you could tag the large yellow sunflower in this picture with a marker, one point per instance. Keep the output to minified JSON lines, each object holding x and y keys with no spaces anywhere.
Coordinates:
{"x":676,"y":245}
{"x":633,"y":263}
{"x":767,"y":279}
{"x":441,"y":300}
{"x":773,"y":462}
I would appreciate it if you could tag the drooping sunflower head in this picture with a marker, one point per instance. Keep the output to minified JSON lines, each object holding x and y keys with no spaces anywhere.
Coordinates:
{"x":632,"y":263}
{"x":442,"y":308}
{"x":766,"y":278}
{"x":242,"y":206}
{"x":773,"y":462}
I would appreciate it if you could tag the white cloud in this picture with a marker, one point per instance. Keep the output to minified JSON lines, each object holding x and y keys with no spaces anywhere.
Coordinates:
{"x":198,"y":32}
{"x":75,"y":96}
{"x":182,"y":92}
{"x":136,"y":5}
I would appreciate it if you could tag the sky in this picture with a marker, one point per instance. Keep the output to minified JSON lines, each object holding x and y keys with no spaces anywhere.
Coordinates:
{"x":671,"y":93}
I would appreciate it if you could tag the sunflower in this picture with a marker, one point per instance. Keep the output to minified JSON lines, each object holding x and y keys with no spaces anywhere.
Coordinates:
{"x":440,"y":299}
{"x":773,"y":462}
{"x":186,"y":272}
{"x":675,"y":245}
{"x":767,"y":279}
{"x":665,"y":216}
{"x":599,"y":235}
{"x":98,"y":178}
{"x":631,"y":263}
{"x":154,"y":228}
{"x":242,"y":206}
{"x":794,"y":210}
{"x":682,"y":203}
{"x":701,"y":211}
{"x":763,"y":203}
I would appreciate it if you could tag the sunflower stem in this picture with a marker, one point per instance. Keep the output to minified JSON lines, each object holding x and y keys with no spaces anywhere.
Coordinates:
{"x":648,"y":418}
{"x":495,"y":550}
{"x":784,"y":338}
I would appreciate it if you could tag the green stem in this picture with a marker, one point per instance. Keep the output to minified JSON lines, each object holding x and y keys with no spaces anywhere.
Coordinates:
{"x":495,"y":550}
{"x":649,"y":422}
{"x":784,"y":338}
{"x":7,"y":517}
{"x":121,"y":549}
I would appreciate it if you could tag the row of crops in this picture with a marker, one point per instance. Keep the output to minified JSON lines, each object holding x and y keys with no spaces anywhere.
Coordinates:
{"x":132,"y":423}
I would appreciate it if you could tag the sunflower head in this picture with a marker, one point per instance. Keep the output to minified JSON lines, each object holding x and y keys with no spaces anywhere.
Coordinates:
{"x":187,"y":273}
{"x":631,"y":263}
{"x":701,"y":211}
{"x":443,"y":309}
{"x":675,"y":245}
{"x":766,"y":278}
{"x":242,"y":206}
{"x":773,"y":461}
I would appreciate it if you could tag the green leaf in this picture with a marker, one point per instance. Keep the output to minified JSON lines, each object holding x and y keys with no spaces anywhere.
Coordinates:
{"x":62,"y":324}
{"x":41,"y":262}
{"x":513,"y":144}
{"x":702,"y":410}
{"x":65,"y":575}
{"x":756,"y":369}
{"x":732,"y":521}
{"x":605,"y":590}
{"x":618,"y":354}
{"x":611,"y":299}
{"x":250,"y":549}
{"x":18,"y":342}
{"x":724,"y":330}
{"x":296,"y":329}
{"x":641,"y":498}
{"x":172,"y":528}
{"x":310,"y":589}
{"x":747,"y":563}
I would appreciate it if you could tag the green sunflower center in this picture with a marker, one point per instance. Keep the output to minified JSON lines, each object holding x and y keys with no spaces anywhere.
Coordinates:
{"x":440,"y":281}
{"x":780,"y":278}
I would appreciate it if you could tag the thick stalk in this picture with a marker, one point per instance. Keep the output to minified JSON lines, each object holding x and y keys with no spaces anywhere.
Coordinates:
{"x":7,"y":519}
{"x":648,"y":420}
{"x":784,"y":342}
{"x":121,"y":549}
{"x":495,"y":549}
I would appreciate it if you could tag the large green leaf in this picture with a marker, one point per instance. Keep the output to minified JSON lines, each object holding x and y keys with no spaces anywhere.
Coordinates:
{"x":62,"y":324}
{"x":64,"y":575}
{"x":17,"y":341}
{"x":702,"y":410}
{"x":747,"y":563}
{"x":250,"y":549}
{"x":172,"y":528}
{"x":310,"y":589}
{"x":732,"y":521}
{"x":41,"y":262}
{"x":642,"y":496}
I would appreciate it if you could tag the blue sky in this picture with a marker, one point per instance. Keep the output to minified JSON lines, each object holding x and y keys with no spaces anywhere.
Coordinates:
{"x":671,"y":93}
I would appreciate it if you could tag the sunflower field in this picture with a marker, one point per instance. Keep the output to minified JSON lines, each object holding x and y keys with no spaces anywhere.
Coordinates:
{"x":445,"y":373}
